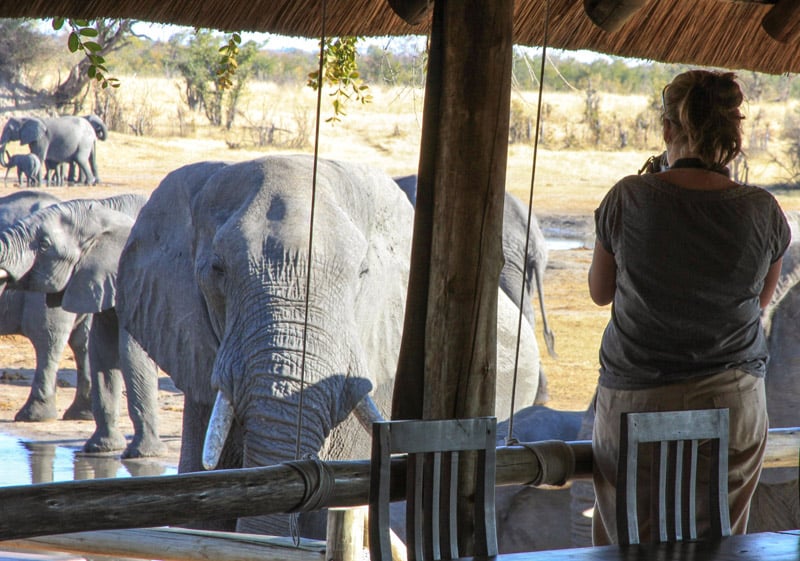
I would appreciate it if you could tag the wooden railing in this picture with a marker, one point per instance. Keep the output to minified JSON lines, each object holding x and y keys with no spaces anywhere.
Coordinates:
{"x":143,"y":502}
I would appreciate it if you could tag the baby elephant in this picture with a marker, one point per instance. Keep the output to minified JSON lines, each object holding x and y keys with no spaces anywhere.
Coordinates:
{"x":26,"y":164}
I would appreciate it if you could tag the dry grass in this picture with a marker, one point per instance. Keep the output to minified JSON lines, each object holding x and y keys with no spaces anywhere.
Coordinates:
{"x":386,"y":134}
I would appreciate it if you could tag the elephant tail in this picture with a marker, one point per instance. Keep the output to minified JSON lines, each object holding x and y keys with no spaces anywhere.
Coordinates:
{"x":549,"y":337}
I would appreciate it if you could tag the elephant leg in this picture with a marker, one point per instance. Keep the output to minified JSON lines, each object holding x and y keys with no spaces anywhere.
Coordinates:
{"x":141,"y":382}
{"x":81,"y":407}
{"x":48,"y":332}
{"x":88,"y":176}
{"x":106,"y":384}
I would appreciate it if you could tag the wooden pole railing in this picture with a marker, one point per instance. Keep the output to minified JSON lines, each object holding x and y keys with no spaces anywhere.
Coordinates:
{"x":140,"y":502}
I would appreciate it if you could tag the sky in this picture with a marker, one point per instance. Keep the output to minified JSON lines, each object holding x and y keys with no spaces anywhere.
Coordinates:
{"x":163,"y":32}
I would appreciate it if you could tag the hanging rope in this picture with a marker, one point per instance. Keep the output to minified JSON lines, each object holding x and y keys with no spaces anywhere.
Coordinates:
{"x":293,"y":518}
{"x":509,"y":438}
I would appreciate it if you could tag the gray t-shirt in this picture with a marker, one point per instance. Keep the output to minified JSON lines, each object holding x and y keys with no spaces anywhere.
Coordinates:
{"x":690,"y":267}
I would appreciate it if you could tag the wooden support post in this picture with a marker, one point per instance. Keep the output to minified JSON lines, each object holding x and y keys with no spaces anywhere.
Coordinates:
{"x":345,"y":537}
{"x":447,"y":363}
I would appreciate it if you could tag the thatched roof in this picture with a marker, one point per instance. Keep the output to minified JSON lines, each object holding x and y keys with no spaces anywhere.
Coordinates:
{"x":722,"y":33}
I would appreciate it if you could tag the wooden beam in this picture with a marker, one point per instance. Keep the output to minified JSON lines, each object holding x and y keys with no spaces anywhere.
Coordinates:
{"x":413,"y":12}
{"x":782,"y":22}
{"x":610,"y":15}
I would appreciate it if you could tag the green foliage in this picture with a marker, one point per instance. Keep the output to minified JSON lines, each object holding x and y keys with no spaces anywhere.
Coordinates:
{"x":80,"y":39}
{"x":214,"y":77}
{"x":227,"y":62}
{"x":340,"y":71}
{"x":24,"y":50}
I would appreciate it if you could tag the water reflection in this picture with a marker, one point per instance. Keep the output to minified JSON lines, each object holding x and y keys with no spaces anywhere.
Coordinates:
{"x":42,"y":462}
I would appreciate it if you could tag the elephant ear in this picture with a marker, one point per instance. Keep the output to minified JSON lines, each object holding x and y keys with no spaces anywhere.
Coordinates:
{"x":159,"y":302}
{"x":31,"y":131}
{"x":93,"y":284}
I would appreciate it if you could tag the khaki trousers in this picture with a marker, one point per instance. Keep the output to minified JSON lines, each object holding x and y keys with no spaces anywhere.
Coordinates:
{"x":740,"y":392}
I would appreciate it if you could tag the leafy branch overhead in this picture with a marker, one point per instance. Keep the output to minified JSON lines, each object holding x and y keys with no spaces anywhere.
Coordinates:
{"x":227,"y":62}
{"x":340,"y":71}
{"x":80,"y":39}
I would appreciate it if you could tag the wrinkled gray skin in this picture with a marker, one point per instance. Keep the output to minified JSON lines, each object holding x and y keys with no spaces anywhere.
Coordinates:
{"x":60,"y":139}
{"x":28,"y":165}
{"x":212,"y":284}
{"x":49,"y":329}
{"x":515,"y":232}
{"x":70,"y":252}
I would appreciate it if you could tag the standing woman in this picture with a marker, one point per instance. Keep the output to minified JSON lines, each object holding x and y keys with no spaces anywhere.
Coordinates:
{"x":687,"y":258}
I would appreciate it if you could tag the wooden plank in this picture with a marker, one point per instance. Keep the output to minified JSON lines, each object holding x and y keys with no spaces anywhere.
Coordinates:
{"x":772,"y":546}
{"x":177,"y":544}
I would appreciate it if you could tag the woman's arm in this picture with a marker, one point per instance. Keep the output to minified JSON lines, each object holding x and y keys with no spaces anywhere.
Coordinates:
{"x":602,"y":276}
{"x":770,"y":282}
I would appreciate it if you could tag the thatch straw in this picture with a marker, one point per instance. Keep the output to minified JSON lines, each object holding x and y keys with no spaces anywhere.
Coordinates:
{"x":719,"y":33}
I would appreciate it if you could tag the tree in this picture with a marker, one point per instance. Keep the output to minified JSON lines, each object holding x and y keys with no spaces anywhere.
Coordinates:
{"x":214,"y":77}
{"x":97,"y":41}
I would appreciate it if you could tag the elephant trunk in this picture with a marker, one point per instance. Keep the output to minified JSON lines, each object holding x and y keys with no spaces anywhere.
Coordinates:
{"x":16,"y":255}
{"x":5,"y":157}
{"x":259,"y":372}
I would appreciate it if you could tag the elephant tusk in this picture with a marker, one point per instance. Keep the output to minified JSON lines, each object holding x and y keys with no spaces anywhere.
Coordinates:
{"x":217,"y":432}
{"x":4,"y":276}
{"x":367,"y":413}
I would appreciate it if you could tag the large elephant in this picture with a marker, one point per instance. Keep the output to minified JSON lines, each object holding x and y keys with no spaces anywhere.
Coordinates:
{"x":775,"y":505}
{"x":212,"y":282}
{"x":70,"y":251}
{"x":55,"y":140}
{"x":49,"y":328}
{"x":517,"y":287}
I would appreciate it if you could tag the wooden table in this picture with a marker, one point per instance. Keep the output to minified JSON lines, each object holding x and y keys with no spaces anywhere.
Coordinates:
{"x":767,"y":546}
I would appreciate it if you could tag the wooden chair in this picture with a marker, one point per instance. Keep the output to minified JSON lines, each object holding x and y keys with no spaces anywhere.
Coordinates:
{"x":678,"y":435}
{"x":433,"y":449}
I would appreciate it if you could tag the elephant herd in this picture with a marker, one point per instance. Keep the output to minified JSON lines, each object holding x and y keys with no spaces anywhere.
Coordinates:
{"x":54,"y":143}
{"x":213,"y":280}
{"x":207,"y":280}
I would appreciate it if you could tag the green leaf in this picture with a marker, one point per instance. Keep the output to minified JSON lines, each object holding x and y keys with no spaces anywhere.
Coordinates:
{"x":73,"y":42}
{"x":58,"y":23}
{"x":92,"y":71}
{"x":92,"y":46}
{"x":80,"y":22}
{"x":89,"y":32}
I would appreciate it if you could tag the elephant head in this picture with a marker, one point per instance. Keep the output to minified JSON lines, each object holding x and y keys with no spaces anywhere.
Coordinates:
{"x":233,"y":243}
{"x":63,"y":250}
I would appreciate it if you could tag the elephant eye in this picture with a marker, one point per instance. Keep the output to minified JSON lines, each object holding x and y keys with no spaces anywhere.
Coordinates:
{"x":44,"y":244}
{"x":217,"y":265}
